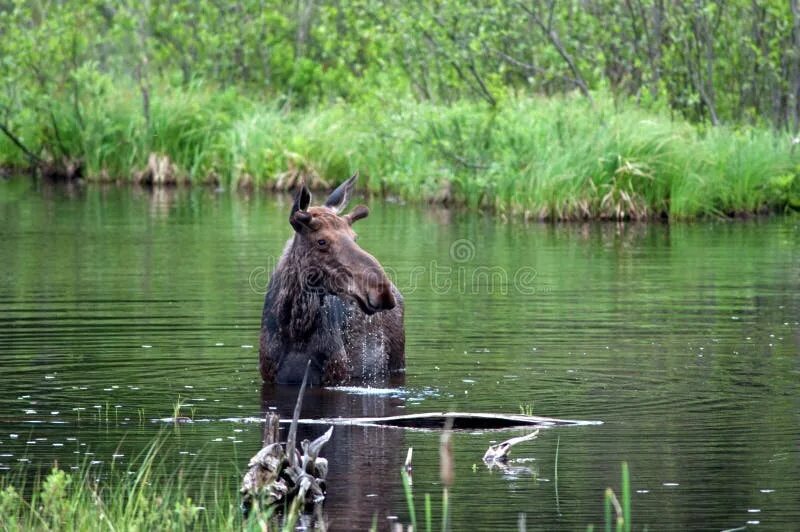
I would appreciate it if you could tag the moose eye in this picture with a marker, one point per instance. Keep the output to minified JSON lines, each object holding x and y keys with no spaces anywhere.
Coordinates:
{"x":322,"y":242}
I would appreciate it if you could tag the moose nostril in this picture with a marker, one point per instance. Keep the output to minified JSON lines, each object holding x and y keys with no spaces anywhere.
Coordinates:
{"x":382,"y":300}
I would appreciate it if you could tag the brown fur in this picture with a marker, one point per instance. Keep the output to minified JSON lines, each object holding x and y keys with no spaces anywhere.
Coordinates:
{"x":329,"y":301}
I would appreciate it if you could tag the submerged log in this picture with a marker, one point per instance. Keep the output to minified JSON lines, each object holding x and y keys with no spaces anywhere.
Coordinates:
{"x":460,"y":421}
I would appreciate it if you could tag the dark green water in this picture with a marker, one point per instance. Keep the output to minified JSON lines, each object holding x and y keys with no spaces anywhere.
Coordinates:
{"x":684,"y":340}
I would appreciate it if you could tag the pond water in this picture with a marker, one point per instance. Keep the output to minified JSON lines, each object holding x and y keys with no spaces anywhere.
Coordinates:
{"x":683,"y":339}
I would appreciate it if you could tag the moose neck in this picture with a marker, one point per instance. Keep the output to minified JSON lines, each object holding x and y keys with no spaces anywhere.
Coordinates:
{"x":297,"y":303}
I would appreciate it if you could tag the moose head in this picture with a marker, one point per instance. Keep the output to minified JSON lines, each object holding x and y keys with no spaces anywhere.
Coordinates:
{"x":332,"y":260}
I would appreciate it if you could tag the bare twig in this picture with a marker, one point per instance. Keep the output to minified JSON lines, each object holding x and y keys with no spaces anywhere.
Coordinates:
{"x":292,"y":438}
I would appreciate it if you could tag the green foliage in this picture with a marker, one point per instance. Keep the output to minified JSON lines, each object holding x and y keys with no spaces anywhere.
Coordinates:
{"x":54,"y":505}
{"x":710,"y":60}
{"x":150,"y":495}
{"x":785,"y":189}
{"x":557,"y":110}
{"x":538,"y":158}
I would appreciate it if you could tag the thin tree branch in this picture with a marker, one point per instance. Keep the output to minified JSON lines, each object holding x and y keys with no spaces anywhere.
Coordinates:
{"x":18,"y":143}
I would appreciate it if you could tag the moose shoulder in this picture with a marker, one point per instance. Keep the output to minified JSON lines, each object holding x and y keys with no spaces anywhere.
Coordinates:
{"x":329,"y":301}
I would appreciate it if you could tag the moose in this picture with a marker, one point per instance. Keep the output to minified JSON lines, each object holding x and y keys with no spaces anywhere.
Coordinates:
{"x":329,"y":302}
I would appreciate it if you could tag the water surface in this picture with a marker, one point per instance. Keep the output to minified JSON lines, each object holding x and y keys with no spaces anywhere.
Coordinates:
{"x":115,"y":304}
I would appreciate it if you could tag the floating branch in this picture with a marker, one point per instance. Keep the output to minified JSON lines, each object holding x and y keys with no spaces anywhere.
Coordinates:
{"x":500,"y":451}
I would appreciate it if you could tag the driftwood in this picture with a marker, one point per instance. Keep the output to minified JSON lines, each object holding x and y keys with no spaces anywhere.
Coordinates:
{"x":499,"y":452}
{"x":278,"y":474}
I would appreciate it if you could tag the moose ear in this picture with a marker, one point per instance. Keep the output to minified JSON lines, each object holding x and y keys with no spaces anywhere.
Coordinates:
{"x":299,"y":217}
{"x":361,"y":211}
{"x":339,"y":197}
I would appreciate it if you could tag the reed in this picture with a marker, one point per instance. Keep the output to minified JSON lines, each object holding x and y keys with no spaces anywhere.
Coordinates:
{"x":617,"y":514}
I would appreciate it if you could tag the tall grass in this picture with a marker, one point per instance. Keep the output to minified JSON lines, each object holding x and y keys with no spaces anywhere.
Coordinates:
{"x":149,"y":494}
{"x":544,"y":158}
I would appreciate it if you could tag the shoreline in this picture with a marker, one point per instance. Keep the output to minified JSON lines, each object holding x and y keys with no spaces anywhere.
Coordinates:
{"x":549,"y":159}
{"x":454,"y":207}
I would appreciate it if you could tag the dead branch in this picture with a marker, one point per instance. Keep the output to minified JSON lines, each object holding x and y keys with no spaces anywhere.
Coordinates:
{"x":499,"y":452}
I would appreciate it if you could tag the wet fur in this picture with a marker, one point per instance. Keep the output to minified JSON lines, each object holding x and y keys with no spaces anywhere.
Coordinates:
{"x":343,"y":343}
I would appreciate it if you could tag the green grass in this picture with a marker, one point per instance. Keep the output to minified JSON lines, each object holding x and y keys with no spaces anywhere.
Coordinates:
{"x":152,"y":494}
{"x":148,"y":494}
{"x":617,"y":514}
{"x":556,"y":158}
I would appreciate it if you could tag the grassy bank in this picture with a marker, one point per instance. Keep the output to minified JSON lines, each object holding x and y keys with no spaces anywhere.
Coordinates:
{"x":147,"y":494}
{"x":538,"y":158}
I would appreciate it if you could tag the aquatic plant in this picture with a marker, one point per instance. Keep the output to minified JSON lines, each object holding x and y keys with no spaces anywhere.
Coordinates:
{"x":617,"y":513}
